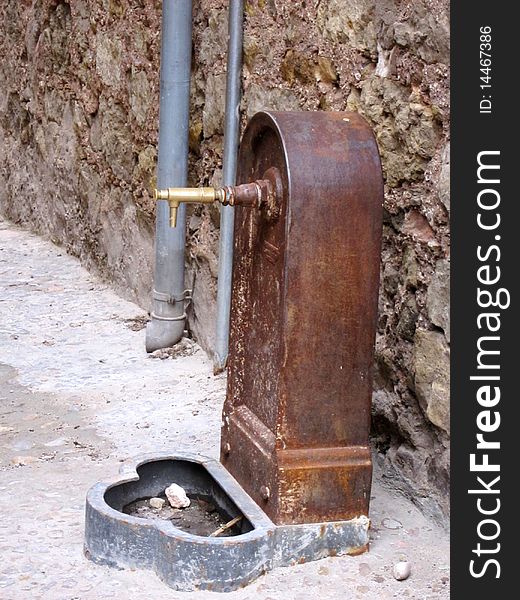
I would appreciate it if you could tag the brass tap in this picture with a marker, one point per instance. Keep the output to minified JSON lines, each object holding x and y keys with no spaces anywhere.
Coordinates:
{"x":174,"y":196}
{"x":249,"y":194}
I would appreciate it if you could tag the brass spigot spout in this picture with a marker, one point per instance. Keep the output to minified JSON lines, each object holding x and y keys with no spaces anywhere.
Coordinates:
{"x":175,"y":196}
{"x":249,"y":194}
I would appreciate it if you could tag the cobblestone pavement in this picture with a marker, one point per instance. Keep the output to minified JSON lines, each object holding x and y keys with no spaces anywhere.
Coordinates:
{"x":79,"y":395}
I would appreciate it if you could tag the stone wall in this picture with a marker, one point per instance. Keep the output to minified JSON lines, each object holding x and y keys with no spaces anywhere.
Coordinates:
{"x":78,"y":134}
{"x":78,"y":113}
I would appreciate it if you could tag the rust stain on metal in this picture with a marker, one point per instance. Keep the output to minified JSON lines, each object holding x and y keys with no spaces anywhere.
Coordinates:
{"x":358,"y":551}
{"x":303,"y":316}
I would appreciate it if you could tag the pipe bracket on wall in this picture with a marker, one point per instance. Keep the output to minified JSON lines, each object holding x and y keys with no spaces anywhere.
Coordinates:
{"x":186,"y":297}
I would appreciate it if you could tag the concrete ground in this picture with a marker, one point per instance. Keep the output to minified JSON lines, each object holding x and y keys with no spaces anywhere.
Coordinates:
{"x":79,"y":395}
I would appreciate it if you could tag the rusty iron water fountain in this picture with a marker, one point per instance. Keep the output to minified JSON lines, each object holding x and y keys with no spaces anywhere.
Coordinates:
{"x":295,"y":469}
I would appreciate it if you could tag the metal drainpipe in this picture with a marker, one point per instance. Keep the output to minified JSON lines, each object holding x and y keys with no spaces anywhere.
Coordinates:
{"x":229,"y":166}
{"x":168,"y":306}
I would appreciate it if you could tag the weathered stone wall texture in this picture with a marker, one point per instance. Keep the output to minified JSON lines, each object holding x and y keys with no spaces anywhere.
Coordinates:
{"x":78,"y":133}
